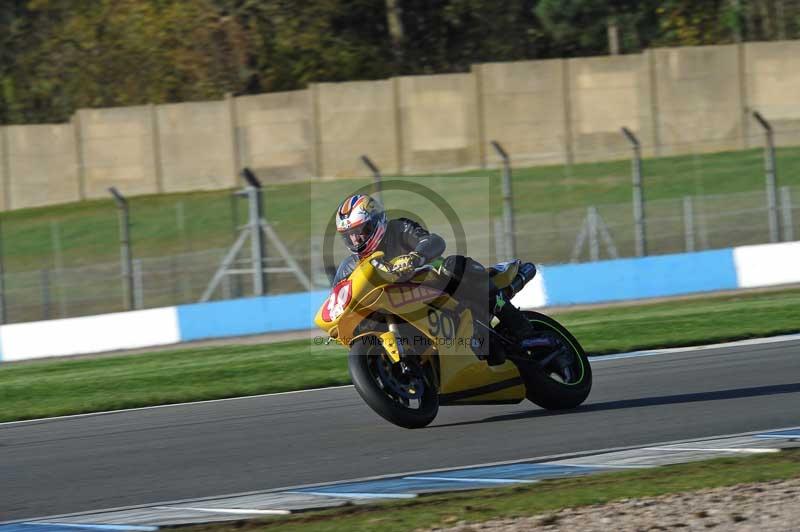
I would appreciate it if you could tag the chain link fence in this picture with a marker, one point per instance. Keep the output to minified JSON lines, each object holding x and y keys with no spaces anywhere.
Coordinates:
{"x":691,"y":223}
{"x":66,"y":263}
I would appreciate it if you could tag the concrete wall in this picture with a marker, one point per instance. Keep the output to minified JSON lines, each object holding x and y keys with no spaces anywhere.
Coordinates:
{"x":605,"y":94}
{"x":677,"y":100}
{"x":43,"y":165}
{"x":118,"y":148}
{"x":699,"y":98}
{"x":439,"y":122}
{"x":523,"y":108}
{"x":773,"y":88}
{"x":353,"y":119}
{"x":275,"y":134}
{"x":196,"y":145}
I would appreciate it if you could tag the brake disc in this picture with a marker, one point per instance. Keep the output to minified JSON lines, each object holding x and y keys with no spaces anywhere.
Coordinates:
{"x":406,"y":385}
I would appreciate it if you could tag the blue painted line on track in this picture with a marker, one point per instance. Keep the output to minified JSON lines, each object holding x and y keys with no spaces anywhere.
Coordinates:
{"x":523,"y":471}
{"x":789,"y":434}
{"x":392,"y":486}
{"x":447,"y":480}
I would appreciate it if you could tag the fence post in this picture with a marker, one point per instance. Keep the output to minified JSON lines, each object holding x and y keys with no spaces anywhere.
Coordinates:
{"x":510,"y":245}
{"x":376,"y":175}
{"x":772,"y":178}
{"x":126,"y":258}
{"x":786,"y":208}
{"x":256,"y":211}
{"x":688,"y":223}
{"x":638,"y":194}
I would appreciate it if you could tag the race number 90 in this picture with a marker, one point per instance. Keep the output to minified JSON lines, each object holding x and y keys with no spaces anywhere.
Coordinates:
{"x":440,"y":324}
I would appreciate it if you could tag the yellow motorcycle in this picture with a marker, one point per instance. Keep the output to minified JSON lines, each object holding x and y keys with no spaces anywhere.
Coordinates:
{"x":410,"y":349}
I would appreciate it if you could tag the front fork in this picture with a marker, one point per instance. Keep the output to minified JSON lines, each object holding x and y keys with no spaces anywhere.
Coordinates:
{"x":395,"y":350}
{"x":389,"y":340}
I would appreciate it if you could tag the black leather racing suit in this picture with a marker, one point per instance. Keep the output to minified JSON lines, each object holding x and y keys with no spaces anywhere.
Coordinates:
{"x":402,"y":236}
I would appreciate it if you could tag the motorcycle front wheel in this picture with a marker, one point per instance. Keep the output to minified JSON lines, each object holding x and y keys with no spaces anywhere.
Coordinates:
{"x":406,"y":396}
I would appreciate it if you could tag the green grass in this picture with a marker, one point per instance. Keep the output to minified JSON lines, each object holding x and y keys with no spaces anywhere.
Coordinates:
{"x":540,"y":498}
{"x":88,"y":231}
{"x":115,"y":382}
{"x":50,"y":388}
{"x":687,"y":322}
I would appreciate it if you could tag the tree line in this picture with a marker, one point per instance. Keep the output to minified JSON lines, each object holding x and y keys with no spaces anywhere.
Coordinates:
{"x":60,"y":55}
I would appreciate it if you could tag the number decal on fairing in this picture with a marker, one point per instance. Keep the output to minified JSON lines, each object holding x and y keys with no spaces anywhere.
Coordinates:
{"x":441,"y":324}
{"x":338,"y":300}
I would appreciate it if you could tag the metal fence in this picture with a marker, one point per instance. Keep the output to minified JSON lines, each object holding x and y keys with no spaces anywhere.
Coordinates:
{"x":691,"y":223}
{"x":69,"y":263}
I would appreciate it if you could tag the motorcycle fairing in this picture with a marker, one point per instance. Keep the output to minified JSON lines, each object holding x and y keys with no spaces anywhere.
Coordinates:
{"x":438,"y":320}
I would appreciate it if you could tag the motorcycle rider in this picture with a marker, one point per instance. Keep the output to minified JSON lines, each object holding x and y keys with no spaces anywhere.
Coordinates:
{"x":363,"y":225}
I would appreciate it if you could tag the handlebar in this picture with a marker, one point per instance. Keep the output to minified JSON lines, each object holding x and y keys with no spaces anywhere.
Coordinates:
{"x":384,"y":267}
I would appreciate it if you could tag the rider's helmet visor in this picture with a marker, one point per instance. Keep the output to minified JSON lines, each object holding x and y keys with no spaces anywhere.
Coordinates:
{"x":357,"y":238}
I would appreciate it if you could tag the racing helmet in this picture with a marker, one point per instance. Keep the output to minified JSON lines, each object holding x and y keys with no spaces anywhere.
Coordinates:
{"x":361,"y":221}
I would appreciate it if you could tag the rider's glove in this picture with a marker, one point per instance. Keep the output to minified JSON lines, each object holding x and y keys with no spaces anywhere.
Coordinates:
{"x":405,"y":264}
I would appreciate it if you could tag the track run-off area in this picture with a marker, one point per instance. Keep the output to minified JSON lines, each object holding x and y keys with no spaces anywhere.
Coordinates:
{"x":148,"y":455}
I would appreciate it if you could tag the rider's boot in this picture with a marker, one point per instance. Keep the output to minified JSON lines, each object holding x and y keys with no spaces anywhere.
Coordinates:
{"x":510,"y":317}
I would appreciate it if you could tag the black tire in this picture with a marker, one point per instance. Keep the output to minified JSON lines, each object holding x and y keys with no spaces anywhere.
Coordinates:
{"x":542,"y":388}
{"x":361,"y":363}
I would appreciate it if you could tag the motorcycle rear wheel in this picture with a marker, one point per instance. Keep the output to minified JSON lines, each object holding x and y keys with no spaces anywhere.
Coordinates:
{"x":547,"y":387}
{"x":387,"y":391}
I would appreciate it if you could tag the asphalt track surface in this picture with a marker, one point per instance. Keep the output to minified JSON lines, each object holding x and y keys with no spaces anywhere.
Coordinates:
{"x":204,"y":449}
